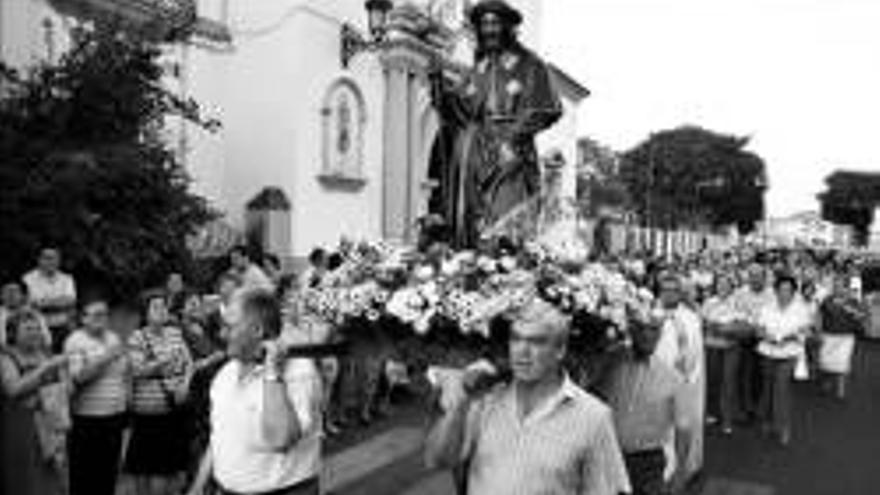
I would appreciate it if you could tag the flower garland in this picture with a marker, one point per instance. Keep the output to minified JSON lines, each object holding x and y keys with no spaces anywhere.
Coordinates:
{"x":471,"y":289}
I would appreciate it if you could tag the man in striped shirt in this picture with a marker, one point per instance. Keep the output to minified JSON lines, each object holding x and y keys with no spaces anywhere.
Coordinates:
{"x":100,"y":372}
{"x":539,"y":434}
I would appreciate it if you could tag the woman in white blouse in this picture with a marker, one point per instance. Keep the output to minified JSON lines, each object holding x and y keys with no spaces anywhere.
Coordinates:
{"x":782,"y":326}
{"x":724,"y":324}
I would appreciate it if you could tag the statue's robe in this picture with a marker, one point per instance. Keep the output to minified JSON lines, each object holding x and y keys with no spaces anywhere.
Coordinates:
{"x":507,"y":99}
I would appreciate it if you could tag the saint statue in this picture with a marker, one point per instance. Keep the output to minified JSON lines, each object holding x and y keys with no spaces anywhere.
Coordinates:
{"x":484,"y":159}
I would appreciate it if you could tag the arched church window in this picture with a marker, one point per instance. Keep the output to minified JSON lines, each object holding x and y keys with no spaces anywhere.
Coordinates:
{"x":343,"y":122}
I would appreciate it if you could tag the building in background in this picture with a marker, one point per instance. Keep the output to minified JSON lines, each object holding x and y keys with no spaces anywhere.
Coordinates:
{"x":805,"y":229}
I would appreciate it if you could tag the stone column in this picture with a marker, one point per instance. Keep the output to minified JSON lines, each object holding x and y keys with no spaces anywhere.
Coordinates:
{"x":405,"y":63}
{"x":397,"y":124}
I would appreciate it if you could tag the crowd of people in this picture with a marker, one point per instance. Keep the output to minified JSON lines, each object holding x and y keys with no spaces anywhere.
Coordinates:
{"x":84,"y":402}
{"x":730,"y":333}
{"x":194,"y":396}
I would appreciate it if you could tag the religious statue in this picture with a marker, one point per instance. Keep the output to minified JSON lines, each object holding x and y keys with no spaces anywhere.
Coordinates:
{"x":484,"y":159}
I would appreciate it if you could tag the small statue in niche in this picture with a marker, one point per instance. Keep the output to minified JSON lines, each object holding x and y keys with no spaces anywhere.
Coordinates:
{"x":343,"y":115}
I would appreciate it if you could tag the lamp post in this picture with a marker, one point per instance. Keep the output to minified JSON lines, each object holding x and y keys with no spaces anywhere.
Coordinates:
{"x":353,"y":42}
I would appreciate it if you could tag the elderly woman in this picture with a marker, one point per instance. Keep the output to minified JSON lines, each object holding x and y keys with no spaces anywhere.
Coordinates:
{"x":782,"y":327}
{"x":724,"y":324}
{"x":34,"y":407}
{"x":208,"y":354}
{"x":161,"y":368}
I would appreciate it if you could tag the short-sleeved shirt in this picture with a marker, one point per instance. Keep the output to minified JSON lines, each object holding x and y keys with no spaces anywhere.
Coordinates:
{"x":783,"y":327}
{"x":646,"y":397}
{"x":567,"y":445}
{"x":243,"y":459}
{"x":107,"y":394}
{"x":42,"y":288}
{"x":157,"y":394}
{"x":751,"y":303}
{"x":721,"y":311}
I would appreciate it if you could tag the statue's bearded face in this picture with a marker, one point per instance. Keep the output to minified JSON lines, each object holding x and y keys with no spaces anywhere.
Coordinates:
{"x":493,"y":32}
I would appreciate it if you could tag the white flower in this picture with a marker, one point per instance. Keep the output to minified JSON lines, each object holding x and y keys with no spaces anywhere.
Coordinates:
{"x":464,"y":257}
{"x":423,"y":323}
{"x":423,"y":273}
{"x":405,"y":305}
{"x":514,"y":87}
{"x":486,"y":264}
{"x":508,"y":263}
{"x":451,"y":267}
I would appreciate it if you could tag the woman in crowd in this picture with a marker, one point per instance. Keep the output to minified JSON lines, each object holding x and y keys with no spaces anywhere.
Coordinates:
{"x":34,"y":405}
{"x":782,"y":327}
{"x":841,"y":318}
{"x":229,"y":289}
{"x":13,"y":298}
{"x":811,"y":298}
{"x":161,"y":368}
{"x":723,"y":324}
{"x":207,"y":351}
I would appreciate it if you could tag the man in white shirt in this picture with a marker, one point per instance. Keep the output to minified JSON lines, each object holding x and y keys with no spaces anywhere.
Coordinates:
{"x":265,"y":411}
{"x":750,"y":300}
{"x":252,"y":277}
{"x":53,"y":293}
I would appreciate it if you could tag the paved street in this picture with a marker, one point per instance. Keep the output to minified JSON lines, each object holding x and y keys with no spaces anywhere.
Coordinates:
{"x":834,"y":450}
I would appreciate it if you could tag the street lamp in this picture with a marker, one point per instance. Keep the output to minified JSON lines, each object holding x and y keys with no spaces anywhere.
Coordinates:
{"x":353,"y":42}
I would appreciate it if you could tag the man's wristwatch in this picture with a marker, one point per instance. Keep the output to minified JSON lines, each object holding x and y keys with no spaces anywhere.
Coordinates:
{"x":272,"y":375}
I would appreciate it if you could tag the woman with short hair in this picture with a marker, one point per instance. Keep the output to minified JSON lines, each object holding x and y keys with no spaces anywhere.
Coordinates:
{"x":724,"y":325}
{"x":34,"y":414}
{"x":161,"y":367}
{"x":782,"y":326}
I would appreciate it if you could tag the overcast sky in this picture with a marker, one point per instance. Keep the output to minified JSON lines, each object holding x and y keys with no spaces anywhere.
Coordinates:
{"x":802,"y":77}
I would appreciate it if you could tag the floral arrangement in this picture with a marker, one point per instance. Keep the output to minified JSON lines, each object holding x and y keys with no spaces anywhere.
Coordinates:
{"x":461,"y":296}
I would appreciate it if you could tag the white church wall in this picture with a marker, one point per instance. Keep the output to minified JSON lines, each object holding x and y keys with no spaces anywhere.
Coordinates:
{"x":562,"y":136}
{"x":285,"y":57}
{"x":31,"y":31}
{"x":205,"y":159}
{"x":322,"y":211}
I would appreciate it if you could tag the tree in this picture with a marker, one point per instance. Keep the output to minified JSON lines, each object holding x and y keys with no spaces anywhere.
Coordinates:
{"x":850,"y":199}
{"x":85,"y":166}
{"x":598,"y":179}
{"x":691,"y":176}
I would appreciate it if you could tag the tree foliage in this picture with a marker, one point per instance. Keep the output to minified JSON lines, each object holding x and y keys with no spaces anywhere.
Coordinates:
{"x":850,"y":199}
{"x":85,"y":166}
{"x":689,"y":176}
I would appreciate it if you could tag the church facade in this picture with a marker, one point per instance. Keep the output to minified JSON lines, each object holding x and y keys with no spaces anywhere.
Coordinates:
{"x":346,"y":141}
